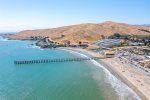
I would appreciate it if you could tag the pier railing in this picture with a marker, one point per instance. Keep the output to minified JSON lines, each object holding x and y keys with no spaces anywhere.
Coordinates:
{"x":55,"y":60}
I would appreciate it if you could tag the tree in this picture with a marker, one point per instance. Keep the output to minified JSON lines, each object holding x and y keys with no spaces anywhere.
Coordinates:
{"x":62,"y":35}
{"x":80,"y":42}
{"x":102,"y":36}
{"x":117,"y":35}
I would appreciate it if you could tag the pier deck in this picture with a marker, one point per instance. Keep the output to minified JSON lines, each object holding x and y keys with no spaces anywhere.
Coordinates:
{"x":55,"y":60}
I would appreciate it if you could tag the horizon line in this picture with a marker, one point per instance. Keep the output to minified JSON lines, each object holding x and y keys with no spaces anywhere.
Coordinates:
{"x":21,"y":28}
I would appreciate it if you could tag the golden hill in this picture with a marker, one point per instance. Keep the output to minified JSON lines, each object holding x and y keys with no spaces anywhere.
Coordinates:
{"x":84,"y":32}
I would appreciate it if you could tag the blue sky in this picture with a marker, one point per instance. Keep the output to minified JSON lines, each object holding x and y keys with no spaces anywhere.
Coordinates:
{"x":32,"y":14}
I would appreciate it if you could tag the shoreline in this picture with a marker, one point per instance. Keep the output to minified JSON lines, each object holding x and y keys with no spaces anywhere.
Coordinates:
{"x":124,"y":80}
{"x":113,"y":71}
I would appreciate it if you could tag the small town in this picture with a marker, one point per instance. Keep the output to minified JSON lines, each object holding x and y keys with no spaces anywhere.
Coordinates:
{"x":132,"y":50}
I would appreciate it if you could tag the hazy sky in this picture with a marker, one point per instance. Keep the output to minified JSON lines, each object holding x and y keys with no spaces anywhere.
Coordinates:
{"x":31,"y":14}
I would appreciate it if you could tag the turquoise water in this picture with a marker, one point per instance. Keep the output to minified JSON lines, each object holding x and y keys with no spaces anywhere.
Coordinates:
{"x":52,"y":81}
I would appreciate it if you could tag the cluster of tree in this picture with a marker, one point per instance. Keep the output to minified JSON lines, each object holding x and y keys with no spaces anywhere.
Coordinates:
{"x":145,"y":30}
{"x":129,"y":37}
{"x":119,"y":36}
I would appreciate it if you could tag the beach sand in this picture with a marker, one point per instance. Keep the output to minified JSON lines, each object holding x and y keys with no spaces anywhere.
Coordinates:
{"x":137,"y":81}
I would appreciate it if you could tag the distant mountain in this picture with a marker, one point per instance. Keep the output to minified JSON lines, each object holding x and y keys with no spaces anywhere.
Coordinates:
{"x":85,"y":32}
{"x":8,"y":32}
{"x":147,"y":25}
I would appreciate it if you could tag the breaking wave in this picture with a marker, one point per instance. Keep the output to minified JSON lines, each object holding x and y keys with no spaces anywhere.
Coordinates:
{"x":3,"y":39}
{"x":34,"y":47}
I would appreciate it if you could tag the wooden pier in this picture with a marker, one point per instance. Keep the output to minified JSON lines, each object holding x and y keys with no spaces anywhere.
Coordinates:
{"x":55,"y":60}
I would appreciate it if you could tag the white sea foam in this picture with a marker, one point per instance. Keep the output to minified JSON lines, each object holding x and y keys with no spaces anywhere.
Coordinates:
{"x":35,"y":47}
{"x":124,"y":92}
{"x":3,"y":39}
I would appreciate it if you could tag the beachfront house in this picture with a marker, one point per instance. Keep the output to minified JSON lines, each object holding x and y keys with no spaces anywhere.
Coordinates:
{"x":109,"y":54}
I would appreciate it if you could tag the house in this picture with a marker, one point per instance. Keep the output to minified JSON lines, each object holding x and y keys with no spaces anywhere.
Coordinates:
{"x":83,"y":44}
{"x":109,"y":54}
{"x":66,"y":42}
{"x":145,"y":63}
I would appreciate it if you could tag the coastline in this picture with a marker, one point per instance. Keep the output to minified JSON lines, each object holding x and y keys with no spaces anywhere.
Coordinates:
{"x":109,"y":64}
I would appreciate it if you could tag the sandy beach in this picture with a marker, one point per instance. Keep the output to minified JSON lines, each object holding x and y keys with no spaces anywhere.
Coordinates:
{"x":137,"y":81}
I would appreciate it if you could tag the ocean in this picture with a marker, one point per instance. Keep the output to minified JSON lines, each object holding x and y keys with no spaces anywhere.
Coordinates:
{"x":85,"y":80}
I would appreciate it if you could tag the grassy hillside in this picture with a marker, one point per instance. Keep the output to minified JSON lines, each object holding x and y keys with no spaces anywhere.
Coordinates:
{"x":84,"y":32}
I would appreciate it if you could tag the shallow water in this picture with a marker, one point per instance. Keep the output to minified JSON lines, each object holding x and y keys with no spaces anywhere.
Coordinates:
{"x":52,"y":81}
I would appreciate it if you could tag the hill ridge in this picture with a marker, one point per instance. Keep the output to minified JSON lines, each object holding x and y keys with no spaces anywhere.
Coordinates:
{"x":85,"y":32}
